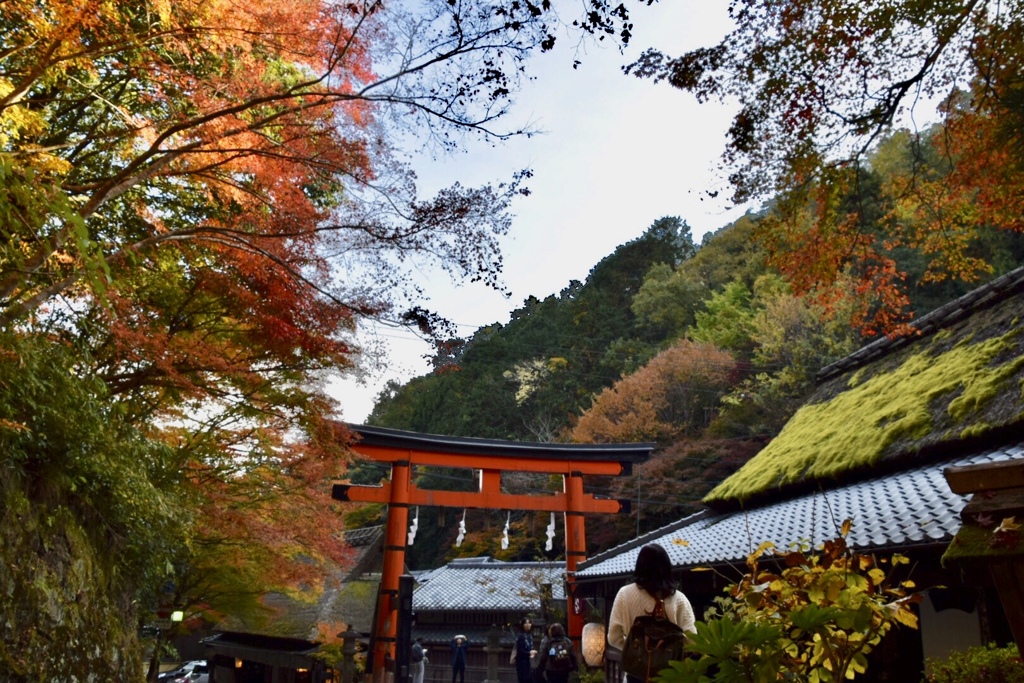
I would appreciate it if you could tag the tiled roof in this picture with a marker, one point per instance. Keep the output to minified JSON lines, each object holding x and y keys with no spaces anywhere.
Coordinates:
{"x":479,"y":584}
{"x":899,"y":510}
{"x":626,"y":453}
{"x":362,"y":537}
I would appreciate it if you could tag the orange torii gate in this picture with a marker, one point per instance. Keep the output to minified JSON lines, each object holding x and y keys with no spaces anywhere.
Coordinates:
{"x":492,"y":457}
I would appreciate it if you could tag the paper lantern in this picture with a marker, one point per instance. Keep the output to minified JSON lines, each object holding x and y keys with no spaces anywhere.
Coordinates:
{"x":593,"y":644}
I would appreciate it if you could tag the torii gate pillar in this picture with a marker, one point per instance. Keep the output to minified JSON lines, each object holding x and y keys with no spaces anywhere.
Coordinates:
{"x":406,"y":449}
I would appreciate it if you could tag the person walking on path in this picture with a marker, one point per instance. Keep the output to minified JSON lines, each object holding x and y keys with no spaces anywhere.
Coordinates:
{"x":652,"y":581}
{"x":416,"y":661}
{"x":525,"y":651}
{"x":557,"y":658}
{"x":459,"y":647}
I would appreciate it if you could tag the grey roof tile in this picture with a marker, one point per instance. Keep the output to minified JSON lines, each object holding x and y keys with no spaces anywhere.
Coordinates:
{"x":487,"y":584}
{"x":911,"y":507}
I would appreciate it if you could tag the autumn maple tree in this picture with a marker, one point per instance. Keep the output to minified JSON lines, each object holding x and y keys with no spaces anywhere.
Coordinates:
{"x":664,"y":399}
{"x":818,"y":84}
{"x":199,"y":202}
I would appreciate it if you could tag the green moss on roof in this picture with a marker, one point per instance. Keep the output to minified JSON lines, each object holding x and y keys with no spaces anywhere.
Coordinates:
{"x":973,"y":544}
{"x":861,"y":424}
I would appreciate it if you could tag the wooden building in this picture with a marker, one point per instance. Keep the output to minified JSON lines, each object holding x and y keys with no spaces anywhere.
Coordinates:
{"x":871,"y":444}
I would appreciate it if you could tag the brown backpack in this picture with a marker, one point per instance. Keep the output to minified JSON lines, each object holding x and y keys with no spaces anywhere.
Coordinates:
{"x":652,"y":643}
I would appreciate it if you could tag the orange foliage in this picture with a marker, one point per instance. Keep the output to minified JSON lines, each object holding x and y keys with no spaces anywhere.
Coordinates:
{"x":835,"y":257}
{"x":983,"y":188}
{"x":667,"y":397}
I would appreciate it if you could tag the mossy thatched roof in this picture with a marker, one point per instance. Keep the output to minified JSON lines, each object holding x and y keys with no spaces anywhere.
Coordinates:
{"x":960,"y":379}
{"x":346,"y":596}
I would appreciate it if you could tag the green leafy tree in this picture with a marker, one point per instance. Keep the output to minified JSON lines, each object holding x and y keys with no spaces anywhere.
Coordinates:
{"x":602,"y":313}
{"x":92,"y":509}
{"x":789,"y":340}
{"x":668,"y":301}
{"x":727,"y":320}
{"x":984,"y":664}
{"x":730,"y":253}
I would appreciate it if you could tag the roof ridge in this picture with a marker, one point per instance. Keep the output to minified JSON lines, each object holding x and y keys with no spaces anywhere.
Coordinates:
{"x":964,"y":306}
{"x":645,"y":538}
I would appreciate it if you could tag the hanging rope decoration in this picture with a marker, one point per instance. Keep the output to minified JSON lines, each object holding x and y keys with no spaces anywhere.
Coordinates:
{"x":504,"y":535}
{"x":414,"y":526}
{"x":550,"y":533}
{"x":462,"y":531}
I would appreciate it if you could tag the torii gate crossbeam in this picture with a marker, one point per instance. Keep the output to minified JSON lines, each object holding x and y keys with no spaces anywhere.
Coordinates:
{"x":403,"y":450}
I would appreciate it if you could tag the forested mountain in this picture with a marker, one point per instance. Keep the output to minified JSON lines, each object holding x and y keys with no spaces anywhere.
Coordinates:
{"x":705,"y":350}
{"x":525,"y":380}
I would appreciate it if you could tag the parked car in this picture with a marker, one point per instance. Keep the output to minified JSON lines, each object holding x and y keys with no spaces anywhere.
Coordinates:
{"x":201,"y":673}
{"x":173,"y":676}
{"x":187,"y":673}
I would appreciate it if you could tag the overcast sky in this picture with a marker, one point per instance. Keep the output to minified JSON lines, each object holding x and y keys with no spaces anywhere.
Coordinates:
{"x":616,"y":154}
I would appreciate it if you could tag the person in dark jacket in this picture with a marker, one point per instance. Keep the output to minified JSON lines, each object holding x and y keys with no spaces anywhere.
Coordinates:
{"x":525,"y":652}
{"x":557,"y":658}
{"x":459,"y":647}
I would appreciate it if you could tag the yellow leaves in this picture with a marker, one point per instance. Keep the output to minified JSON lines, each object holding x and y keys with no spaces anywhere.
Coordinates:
{"x":858,"y":665}
{"x":877,"y":576}
{"x":679,"y":541}
{"x":645,"y":406}
{"x":62,"y":257}
{"x":17,"y":121}
{"x":327,"y":632}
{"x":833,"y":588}
{"x":761,"y":550}
{"x":845,"y":529}
{"x":1008,"y":524}
{"x":832,"y":607}
{"x":163,"y":10}
{"x":901,"y":612}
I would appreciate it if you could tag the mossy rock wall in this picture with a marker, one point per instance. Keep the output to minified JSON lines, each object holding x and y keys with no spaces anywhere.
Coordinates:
{"x":65,"y":615}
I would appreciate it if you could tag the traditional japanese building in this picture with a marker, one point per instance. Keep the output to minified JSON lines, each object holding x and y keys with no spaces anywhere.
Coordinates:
{"x":872,"y":444}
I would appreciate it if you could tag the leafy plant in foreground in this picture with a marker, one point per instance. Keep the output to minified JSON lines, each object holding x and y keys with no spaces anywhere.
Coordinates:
{"x":986,"y":664}
{"x":807,"y":617}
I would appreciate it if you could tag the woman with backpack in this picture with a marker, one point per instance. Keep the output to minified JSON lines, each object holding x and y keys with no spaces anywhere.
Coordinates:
{"x":652,"y":586}
{"x":557,"y":659}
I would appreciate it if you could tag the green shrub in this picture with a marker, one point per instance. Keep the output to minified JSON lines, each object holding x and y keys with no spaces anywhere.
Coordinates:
{"x":989,"y":664}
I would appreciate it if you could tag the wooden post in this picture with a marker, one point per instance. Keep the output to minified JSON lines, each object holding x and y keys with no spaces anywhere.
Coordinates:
{"x":493,"y":650}
{"x":386,"y":627}
{"x":575,"y":553}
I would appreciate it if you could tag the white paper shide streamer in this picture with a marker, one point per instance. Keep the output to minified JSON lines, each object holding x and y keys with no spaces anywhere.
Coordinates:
{"x":414,"y":526}
{"x":504,"y":535}
{"x":550,"y":533}
{"x":462,"y":531}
